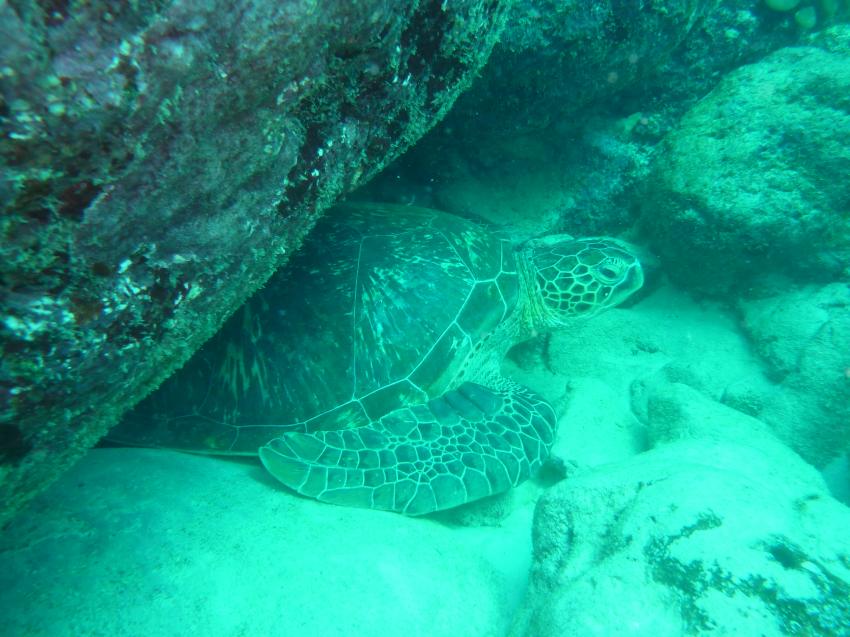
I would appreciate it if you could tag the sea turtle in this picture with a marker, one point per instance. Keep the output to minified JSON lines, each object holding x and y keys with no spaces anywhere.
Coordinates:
{"x":366,"y":371}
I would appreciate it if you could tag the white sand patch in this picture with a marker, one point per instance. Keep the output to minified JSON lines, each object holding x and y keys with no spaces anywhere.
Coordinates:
{"x":143,"y":542}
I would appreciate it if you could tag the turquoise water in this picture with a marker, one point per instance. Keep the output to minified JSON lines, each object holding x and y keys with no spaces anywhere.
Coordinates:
{"x":577,"y":363}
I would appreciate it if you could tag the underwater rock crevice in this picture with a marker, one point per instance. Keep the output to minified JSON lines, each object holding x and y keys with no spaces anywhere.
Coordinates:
{"x":162,"y":159}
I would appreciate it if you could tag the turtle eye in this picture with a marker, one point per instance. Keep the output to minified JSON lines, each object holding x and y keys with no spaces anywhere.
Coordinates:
{"x":609,"y":272}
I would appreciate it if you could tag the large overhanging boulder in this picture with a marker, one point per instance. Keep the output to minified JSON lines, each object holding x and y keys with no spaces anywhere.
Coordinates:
{"x":161,"y":159}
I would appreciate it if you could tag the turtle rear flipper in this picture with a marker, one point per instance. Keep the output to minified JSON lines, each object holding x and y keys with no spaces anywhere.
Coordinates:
{"x":464,"y":445}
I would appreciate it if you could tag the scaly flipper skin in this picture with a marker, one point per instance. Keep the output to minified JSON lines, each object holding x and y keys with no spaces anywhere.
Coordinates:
{"x":469,"y":443}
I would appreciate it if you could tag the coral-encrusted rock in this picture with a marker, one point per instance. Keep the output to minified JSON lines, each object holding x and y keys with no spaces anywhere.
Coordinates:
{"x":755,"y":177}
{"x":159,"y":161}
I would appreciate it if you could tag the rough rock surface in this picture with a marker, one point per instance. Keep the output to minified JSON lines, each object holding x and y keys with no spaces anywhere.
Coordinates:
{"x":754,"y":179}
{"x":553,"y":59}
{"x":570,"y":105}
{"x":803,"y":335}
{"x":140,"y":542}
{"x":159,"y":161}
{"x":558,"y":56}
{"x":724,"y":531}
{"x":572,"y":53}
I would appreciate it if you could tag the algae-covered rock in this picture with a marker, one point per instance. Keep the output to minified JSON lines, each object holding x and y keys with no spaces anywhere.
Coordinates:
{"x":160,"y":160}
{"x":754,"y":179}
{"x":702,"y":536}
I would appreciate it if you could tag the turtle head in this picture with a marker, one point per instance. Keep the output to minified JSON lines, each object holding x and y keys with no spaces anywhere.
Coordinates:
{"x":570,"y":277}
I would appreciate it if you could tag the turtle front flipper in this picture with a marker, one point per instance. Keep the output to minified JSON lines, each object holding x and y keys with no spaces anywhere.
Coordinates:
{"x":464,"y":445}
